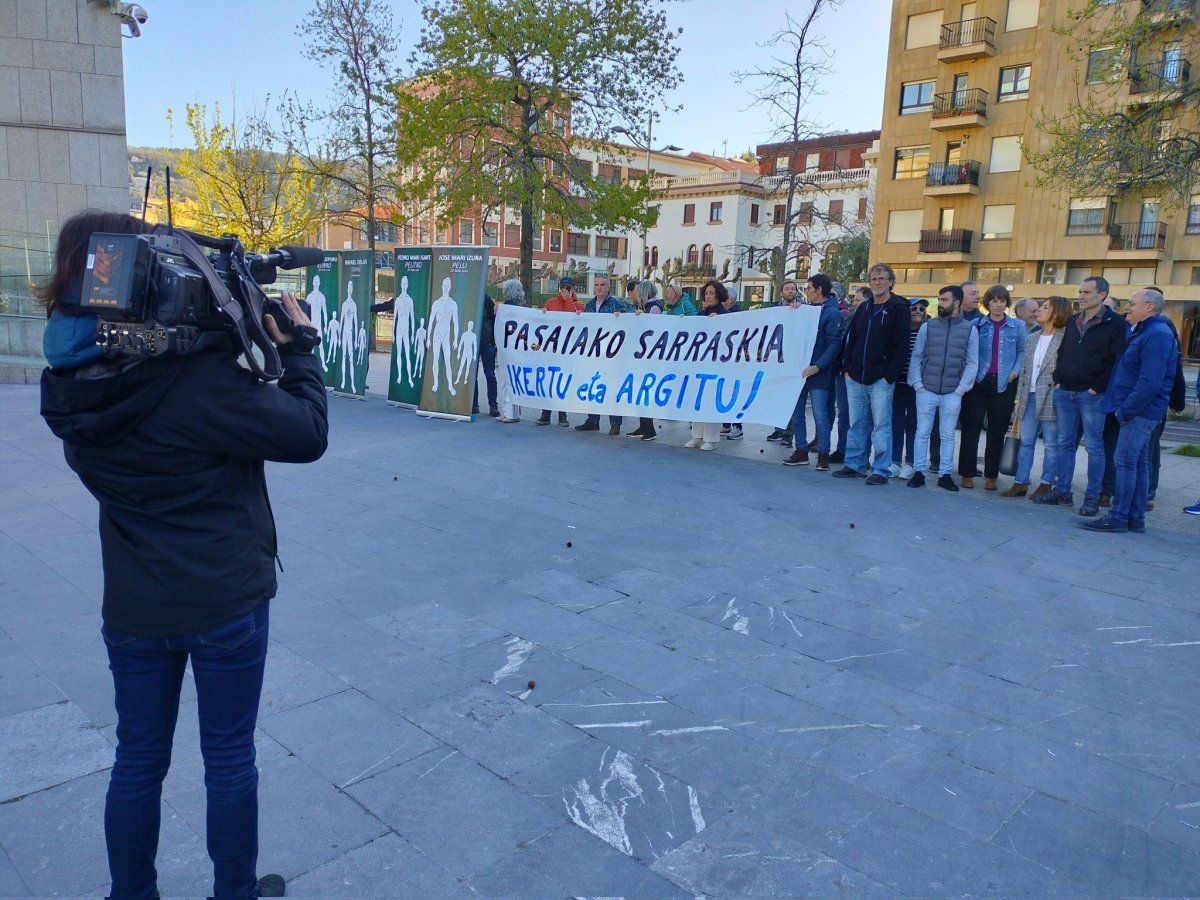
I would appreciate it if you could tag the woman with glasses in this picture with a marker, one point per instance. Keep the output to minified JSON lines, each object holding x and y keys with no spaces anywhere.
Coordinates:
{"x":1035,"y":398}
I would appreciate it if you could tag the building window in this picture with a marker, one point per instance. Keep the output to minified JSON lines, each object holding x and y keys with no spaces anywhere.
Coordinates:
{"x":609,"y":174}
{"x":654,"y":257}
{"x":924,"y":30}
{"x":556,"y":240}
{"x":911,"y":162}
{"x":1021,"y":14}
{"x":862,"y":209}
{"x":835,"y":211}
{"x":491,"y":235}
{"x":781,"y":165}
{"x":778,"y":214}
{"x":466,"y":231}
{"x":1006,"y":154}
{"x":693,"y":257}
{"x":689,"y":214}
{"x":715,"y":210}
{"x":841,"y":158}
{"x":408,"y":234}
{"x":916,"y":97}
{"x":998,"y":222}
{"x":1193,"y":217}
{"x":806,"y":213}
{"x":1087,"y":215}
{"x":753,"y":213}
{"x":904,"y":226}
{"x":1195,"y":275}
{"x":706,"y":256}
{"x":988,"y":275}
{"x":1103,"y":63}
{"x":579,"y":244}
{"x":512,"y":236}
{"x":1014,"y":83}
{"x":812,"y":162}
{"x":608,"y":247}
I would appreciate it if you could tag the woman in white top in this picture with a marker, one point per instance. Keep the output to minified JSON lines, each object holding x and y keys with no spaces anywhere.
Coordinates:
{"x":1034,"y":414}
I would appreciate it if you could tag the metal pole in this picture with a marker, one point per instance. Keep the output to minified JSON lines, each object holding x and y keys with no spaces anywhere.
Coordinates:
{"x":646,"y":210}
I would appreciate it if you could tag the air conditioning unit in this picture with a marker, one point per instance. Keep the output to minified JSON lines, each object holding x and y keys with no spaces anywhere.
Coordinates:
{"x":1053,"y":273}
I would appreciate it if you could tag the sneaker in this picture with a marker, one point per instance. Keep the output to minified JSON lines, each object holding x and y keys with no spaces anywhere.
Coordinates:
{"x":494,"y":412}
{"x":1107,"y":524}
{"x":1105,"y":500}
{"x":544,"y":420}
{"x":946,"y":483}
{"x":916,"y":480}
{"x":906,"y":471}
{"x":847,"y":472}
{"x":1193,"y":510}
{"x":822,"y":462}
{"x":707,"y":445}
{"x":637,"y":433}
{"x":650,"y":436}
{"x":1089,"y":508}
{"x":735,"y":433}
{"x":503,"y":421}
{"x":837,"y":456}
{"x":875,"y":479}
{"x":693,"y":443}
{"x":1054,"y":498}
{"x":776,"y":435}
{"x":614,"y":431}
{"x":798,"y":458}
{"x":563,"y":420}
{"x":1137,"y":527}
{"x":894,"y":470}
{"x":270,"y":886}
{"x":725,"y":429}
{"x":588,"y":426}
{"x":786,"y":440}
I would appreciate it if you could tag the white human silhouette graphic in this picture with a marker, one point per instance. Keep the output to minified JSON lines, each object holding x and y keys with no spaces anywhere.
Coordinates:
{"x":468,"y":351}
{"x":319,"y":314}
{"x":443,"y":322}
{"x":333,"y":333}
{"x":360,"y":346}
{"x":402,"y":334}
{"x":349,"y":329}
{"x":419,"y":344}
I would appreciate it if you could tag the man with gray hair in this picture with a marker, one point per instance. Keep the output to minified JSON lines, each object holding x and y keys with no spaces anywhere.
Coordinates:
{"x":1026,"y":309}
{"x":1137,"y":394}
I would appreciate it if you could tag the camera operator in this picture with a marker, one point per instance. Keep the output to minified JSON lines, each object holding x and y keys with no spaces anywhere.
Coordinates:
{"x":173,"y":448}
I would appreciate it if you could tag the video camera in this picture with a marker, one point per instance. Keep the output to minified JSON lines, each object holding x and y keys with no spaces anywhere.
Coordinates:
{"x":161,"y":292}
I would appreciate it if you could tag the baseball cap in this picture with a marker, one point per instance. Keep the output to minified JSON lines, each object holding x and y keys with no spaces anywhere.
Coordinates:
{"x":566,"y":282}
{"x":918,"y":301}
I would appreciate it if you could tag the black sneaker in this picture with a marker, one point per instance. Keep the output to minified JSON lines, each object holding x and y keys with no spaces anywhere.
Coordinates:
{"x":776,"y":435}
{"x":837,"y":456}
{"x":544,"y":420}
{"x":1054,"y":498}
{"x":614,"y":431}
{"x":946,"y":483}
{"x":650,"y":436}
{"x":875,"y":479}
{"x":270,"y":886}
{"x":1107,"y":524}
{"x":636,"y":433}
{"x":563,"y":420}
{"x":494,"y":412}
{"x":1137,"y":527}
{"x":918,"y":480}
{"x":786,"y":440}
{"x":588,"y":426}
{"x":847,"y":472}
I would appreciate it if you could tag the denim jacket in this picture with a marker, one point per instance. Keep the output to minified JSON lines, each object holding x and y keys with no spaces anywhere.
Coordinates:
{"x":1012,"y":349}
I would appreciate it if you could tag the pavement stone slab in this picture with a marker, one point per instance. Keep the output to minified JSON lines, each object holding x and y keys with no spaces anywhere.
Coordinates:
{"x":50,"y":745}
{"x":388,"y":866}
{"x":514,"y":663}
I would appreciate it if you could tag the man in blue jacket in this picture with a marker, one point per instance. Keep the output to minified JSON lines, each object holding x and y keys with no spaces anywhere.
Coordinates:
{"x":819,"y":375}
{"x":603,"y":302}
{"x":1137,"y":395}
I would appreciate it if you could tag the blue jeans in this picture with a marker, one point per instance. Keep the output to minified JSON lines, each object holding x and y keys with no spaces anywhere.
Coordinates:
{"x":837,"y":397}
{"x":904,"y":422}
{"x":870,"y":425}
{"x":1031,"y":428}
{"x":943,"y":407}
{"x":1155,"y":457}
{"x":487,"y":357}
{"x":820,"y":407}
{"x":227,"y":665}
{"x":1132,"y":459}
{"x":1075,"y":410}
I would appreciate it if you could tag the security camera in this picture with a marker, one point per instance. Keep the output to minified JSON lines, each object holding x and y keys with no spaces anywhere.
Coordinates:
{"x":132,"y":15}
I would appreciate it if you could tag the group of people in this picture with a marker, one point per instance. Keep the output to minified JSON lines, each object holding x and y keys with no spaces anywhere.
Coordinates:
{"x":895,"y":382}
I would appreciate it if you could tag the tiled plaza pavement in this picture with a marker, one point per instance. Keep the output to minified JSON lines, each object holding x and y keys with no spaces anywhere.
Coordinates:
{"x":518,"y":661}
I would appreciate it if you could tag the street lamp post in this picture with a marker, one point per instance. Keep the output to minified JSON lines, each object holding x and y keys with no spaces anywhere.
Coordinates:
{"x":669,"y":148}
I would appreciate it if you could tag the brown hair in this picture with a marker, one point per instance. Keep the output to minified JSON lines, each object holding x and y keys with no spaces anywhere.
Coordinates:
{"x":1060,"y":311}
{"x":70,"y":254}
{"x":997,"y":292}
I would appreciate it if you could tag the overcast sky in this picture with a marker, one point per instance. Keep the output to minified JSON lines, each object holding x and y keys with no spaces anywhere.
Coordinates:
{"x":215,"y":50}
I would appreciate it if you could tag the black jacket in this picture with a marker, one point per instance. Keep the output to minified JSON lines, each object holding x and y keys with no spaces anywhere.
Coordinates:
{"x":487,"y":331}
{"x":877,"y":341}
{"x":173,"y":450}
{"x":1086,"y":358}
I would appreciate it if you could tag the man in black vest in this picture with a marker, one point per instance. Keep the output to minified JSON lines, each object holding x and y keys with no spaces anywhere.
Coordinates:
{"x":942,"y":369}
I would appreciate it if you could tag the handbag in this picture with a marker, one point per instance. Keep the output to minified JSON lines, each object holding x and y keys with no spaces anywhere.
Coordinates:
{"x":1008,"y":453}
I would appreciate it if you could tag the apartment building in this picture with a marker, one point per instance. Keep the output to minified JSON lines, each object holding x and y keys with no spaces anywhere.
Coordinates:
{"x":956,"y":199}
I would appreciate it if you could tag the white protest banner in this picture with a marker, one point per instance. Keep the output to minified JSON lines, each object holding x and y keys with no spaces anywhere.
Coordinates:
{"x":738,"y":367}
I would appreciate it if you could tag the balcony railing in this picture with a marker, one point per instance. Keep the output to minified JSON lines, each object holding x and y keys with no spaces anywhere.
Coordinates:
{"x":968,"y":31}
{"x":960,"y":103}
{"x":956,"y":240}
{"x":1155,"y":7}
{"x":1137,"y":236}
{"x":1162,"y":77}
{"x":951,"y":174}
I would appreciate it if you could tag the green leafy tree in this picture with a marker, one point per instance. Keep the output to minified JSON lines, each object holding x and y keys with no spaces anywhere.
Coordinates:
{"x":848,"y":259}
{"x":1134,"y":120}
{"x":507,"y":92}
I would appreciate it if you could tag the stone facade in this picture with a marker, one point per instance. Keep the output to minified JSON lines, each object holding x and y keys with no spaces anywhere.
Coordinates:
{"x":62,"y":149}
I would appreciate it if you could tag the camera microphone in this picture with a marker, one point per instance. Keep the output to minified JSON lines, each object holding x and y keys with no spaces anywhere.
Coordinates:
{"x":296,"y":257}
